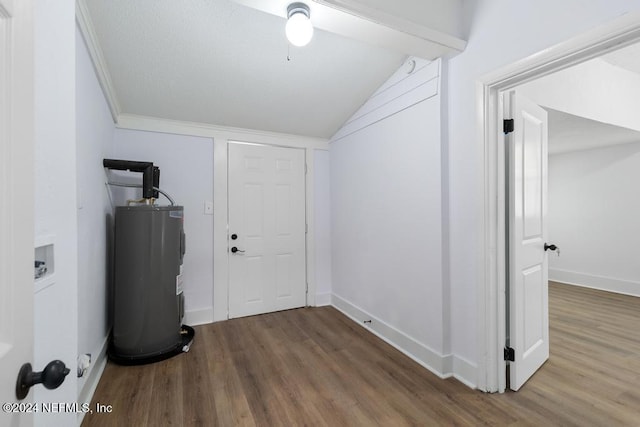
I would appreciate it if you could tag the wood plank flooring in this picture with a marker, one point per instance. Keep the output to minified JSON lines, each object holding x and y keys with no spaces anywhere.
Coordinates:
{"x":315,"y":367}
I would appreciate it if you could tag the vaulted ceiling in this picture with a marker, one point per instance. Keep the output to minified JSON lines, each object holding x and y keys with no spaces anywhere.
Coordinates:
{"x":224,"y":63}
{"x":568,"y":132}
{"x":572,"y":133}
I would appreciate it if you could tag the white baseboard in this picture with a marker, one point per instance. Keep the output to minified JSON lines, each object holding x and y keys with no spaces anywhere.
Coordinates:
{"x":444,"y":366}
{"x":464,"y":371}
{"x":323,"y":299}
{"x":198,"y":317}
{"x":95,"y":373}
{"x":609,"y":284}
{"x":417,"y":351}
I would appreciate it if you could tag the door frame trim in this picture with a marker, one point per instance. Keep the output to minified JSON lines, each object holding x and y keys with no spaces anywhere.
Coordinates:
{"x":491,"y":319}
{"x":17,"y":185}
{"x":220,"y":224}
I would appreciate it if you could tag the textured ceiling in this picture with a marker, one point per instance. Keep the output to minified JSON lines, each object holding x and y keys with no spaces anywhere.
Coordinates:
{"x":217,"y":62}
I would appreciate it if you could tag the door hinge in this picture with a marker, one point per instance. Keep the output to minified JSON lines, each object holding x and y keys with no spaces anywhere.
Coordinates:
{"x":306,"y":228}
{"x":306,"y":169}
{"x":508,"y":126}
{"x":509,"y":354}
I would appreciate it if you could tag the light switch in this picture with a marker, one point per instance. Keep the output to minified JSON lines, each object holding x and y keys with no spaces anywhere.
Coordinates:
{"x":208,"y":208}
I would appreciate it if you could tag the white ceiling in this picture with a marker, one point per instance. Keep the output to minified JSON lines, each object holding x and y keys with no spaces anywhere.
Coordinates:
{"x":627,"y":58}
{"x":572,"y":133}
{"x":222,"y":63}
{"x":218,"y":62}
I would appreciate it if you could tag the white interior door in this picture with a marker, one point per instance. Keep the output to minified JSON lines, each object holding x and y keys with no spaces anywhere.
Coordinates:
{"x":528,"y":267}
{"x":16,"y":195}
{"x":267,"y":268}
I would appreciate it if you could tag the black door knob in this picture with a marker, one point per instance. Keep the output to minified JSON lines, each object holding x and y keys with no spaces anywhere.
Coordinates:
{"x":234,"y":236}
{"x":51,"y":377}
{"x":234,"y":250}
{"x":548,"y":247}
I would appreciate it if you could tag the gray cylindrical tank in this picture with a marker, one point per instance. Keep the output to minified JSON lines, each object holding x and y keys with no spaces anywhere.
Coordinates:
{"x":147,"y":301}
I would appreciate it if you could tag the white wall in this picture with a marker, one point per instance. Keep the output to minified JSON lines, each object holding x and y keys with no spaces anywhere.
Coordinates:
{"x":386,"y":222}
{"x":56,"y":303}
{"x":594,"y":89}
{"x":94,"y":136}
{"x":502,"y":32}
{"x":186,"y":173}
{"x":594,"y":206}
{"x":176,"y":132}
{"x":322,"y":217}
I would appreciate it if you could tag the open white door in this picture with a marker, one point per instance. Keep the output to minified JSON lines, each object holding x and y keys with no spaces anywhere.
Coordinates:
{"x":267,"y":267}
{"x":528,"y":297}
{"x":16,"y":203}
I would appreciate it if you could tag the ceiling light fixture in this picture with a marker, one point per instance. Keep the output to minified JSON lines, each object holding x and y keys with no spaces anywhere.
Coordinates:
{"x":299,"y":29}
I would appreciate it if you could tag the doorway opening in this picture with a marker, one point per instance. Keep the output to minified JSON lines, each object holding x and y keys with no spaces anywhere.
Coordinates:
{"x":491,"y":305}
{"x":588,"y":207}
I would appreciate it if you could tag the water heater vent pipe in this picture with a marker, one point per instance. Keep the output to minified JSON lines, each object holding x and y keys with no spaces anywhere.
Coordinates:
{"x":150,"y":174}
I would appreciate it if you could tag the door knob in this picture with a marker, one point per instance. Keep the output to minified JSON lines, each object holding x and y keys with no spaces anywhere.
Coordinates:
{"x":234,"y":250}
{"x":552,"y":247}
{"x":51,"y":377}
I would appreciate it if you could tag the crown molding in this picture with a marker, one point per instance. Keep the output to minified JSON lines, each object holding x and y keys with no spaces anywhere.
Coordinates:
{"x":206,"y":130}
{"x":86,"y":27}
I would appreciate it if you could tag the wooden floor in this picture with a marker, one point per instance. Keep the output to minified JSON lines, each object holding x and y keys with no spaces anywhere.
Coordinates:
{"x":316,"y":367}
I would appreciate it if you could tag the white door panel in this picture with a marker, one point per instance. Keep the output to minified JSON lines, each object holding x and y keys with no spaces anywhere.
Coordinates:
{"x":16,"y":195}
{"x":267,"y":214}
{"x":528,"y":269}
